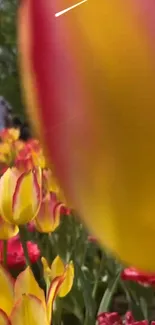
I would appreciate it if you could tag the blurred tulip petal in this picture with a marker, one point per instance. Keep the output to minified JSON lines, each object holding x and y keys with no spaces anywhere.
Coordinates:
{"x":4,"y":320}
{"x":29,"y":310}
{"x":6,"y":291}
{"x":26,"y":284}
{"x":94,"y":110}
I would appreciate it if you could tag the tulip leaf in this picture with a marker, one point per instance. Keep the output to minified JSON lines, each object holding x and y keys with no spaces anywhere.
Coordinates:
{"x":108,"y":294}
{"x":87,"y":293}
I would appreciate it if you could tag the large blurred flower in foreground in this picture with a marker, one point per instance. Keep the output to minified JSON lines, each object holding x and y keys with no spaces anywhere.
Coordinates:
{"x":132,"y":274}
{"x":20,"y":195}
{"x":94,"y":110}
{"x":15,"y":254}
{"x":24,"y":301}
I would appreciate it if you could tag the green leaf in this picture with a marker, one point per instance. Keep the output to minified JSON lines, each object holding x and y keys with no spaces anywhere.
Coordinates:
{"x":108,"y":294}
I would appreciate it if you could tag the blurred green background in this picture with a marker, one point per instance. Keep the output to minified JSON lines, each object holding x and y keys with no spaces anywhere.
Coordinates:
{"x":9,"y":76}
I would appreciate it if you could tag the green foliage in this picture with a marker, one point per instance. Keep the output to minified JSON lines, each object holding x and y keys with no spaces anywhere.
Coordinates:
{"x":9,"y":76}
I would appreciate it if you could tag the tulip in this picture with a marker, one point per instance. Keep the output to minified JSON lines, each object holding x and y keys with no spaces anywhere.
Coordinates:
{"x":24,"y":301}
{"x":144,"y":278}
{"x":91,"y":95}
{"x":58,"y":268}
{"x":20,"y":196}
{"x":7,"y":230}
{"x":48,"y":217}
{"x":15,"y":255}
{"x":115,"y":319}
{"x":9,"y":135}
{"x":30,"y":156}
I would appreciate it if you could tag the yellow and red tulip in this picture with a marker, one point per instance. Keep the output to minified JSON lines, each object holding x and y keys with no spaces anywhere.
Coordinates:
{"x":30,"y":156}
{"x":61,"y":277}
{"x":89,"y":83}
{"x":20,"y":195}
{"x":24,"y":301}
{"x":48,"y":217}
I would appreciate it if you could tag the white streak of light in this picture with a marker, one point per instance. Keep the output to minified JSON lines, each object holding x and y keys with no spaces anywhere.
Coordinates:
{"x":68,"y":9}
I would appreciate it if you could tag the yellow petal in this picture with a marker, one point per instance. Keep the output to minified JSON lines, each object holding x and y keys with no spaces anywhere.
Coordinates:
{"x":4,"y":320}
{"x":57,"y":268}
{"x":67,"y":283}
{"x":26,"y":284}
{"x":7,"y":230}
{"x":52,"y":293}
{"x":7,"y":187}
{"x":29,"y":310}
{"x":46,"y":268}
{"x":27,"y":197}
{"x":6,"y":291}
{"x":48,"y":217}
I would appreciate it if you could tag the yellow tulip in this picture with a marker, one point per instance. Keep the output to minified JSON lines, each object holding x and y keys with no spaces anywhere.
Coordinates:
{"x":48,"y":217}
{"x":7,"y":230}
{"x":20,"y":195}
{"x":24,"y":301}
{"x":57,"y":271}
{"x":92,"y":93}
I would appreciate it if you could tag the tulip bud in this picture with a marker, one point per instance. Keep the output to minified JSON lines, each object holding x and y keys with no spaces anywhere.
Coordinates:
{"x":48,"y":217}
{"x":89,"y":81}
{"x":20,"y":196}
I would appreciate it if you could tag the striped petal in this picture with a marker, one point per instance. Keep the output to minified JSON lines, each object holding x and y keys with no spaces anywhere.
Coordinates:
{"x":4,"y":320}
{"x":52,"y":293}
{"x":6,"y":291}
{"x":48,"y":217}
{"x":98,"y":77}
{"x":29,"y":310}
{"x":26,"y":284}
{"x":27,"y":197}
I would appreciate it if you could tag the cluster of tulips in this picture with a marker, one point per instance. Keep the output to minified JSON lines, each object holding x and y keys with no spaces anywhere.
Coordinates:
{"x":29,"y":199}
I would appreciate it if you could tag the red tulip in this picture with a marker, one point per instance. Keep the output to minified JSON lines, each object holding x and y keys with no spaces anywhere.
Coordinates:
{"x":15,"y":254}
{"x":132,"y":274}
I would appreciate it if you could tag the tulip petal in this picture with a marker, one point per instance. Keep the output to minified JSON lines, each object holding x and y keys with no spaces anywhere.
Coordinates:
{"x":104,"y":92}
{"x":29,"y":310}
{"x":27,"y":197}
{"x":52,"y":293}
{"x":7,"y":230}
{"x":26,"y":284}
{"x":67,"y":283}
{"x":4,"y":320}
{"x":48,"y":217}
{"x":7,"y":187}
{"x":6,"y":291}
{"x":57,"y":267}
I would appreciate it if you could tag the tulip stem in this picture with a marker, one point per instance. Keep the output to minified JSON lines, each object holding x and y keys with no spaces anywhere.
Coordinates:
{"x":5,"y":253}
{"x":22,"y":234}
